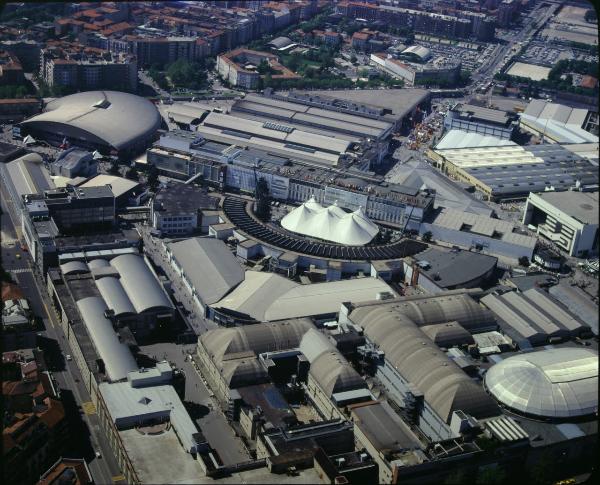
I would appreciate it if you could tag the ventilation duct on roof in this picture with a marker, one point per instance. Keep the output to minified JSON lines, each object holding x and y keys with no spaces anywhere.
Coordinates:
{"x":104,"y":103}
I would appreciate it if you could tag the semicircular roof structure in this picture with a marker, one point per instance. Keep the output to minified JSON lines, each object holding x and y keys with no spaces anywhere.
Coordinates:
{"x":109,"y":117}
{"x":331,"y":223}
{"x":420,"y":361}
{"x":257,"y":338}
{"x":419,"y":51}
{"x":74,"y":267}
{"x":553,"y":383}
{"x":140,"y":283}
{"x":117,"y":358}
{"x":98,"y":263}
{"x":328,"y":367}
{"x":114,"y":295}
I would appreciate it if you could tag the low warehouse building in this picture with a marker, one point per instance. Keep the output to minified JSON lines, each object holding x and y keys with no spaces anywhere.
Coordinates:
{"x":270,"y":297}
{"x":202,"y":260}
{"x":436,"y":270}
{"x":473,"y":231}
{"x":509,"y":172}
{"x":558,"y":123}
{"x":385,"y":436}
{"x":414,"y":369}
{"x":123,"y":189}
{"x":533,"y":318}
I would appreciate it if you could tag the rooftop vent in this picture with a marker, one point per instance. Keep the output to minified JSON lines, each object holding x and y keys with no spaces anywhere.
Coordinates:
{"x":145,"y":400}
{"x":104,"y":103}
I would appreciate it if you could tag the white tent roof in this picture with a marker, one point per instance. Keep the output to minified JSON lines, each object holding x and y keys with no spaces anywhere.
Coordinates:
{"x":331,"y":223}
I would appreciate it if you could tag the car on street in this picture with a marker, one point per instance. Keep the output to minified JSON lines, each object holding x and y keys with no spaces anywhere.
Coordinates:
{"x":98,"y":454}
{"x":69,"y":358}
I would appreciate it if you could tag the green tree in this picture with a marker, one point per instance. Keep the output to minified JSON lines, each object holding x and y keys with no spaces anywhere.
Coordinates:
{"x":524,"y":261}
{"x":543,"y":472}
{"x":491,"y":475}
{"x":456,"y":477}
{"x":427,"y":236}
{"x":263,"y":200}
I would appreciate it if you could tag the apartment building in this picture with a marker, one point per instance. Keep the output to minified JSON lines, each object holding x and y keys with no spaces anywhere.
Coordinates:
{"x":75,"y":66}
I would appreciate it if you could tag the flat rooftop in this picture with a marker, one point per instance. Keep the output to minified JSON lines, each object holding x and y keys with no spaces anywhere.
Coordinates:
{"x":177,"y":198}
{"x":399,"y":101}
{"x":161,"y":458}
{"x":383,"y":428}
{"x":472,"y":112}
{"x":274,"y":406}
{"x":450,"y":269}
{"x":582,"y":206}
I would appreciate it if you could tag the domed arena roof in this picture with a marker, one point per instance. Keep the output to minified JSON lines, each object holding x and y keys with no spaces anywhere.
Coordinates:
{"x":554,"y":383}
{"x":112,"y":118}
{"x":331,"y":223}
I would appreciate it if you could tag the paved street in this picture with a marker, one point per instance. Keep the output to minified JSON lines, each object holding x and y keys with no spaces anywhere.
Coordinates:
{"x":153,"y":248}
{"x":207,"y":415}
{"x":104,"y":469}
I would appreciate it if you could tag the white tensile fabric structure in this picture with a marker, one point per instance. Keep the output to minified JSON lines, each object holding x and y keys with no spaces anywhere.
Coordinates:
{"x":331,"y":223}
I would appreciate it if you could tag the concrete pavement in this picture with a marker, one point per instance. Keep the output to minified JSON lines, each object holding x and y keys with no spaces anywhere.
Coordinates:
{"x":213,"y":424}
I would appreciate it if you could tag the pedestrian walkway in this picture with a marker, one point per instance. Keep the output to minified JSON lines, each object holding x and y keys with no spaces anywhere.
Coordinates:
{"x":19,"y":270}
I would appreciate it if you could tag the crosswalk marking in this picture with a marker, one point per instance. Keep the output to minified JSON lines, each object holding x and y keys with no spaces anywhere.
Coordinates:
{"x":20,"y":270}
{"x":88,"y":407}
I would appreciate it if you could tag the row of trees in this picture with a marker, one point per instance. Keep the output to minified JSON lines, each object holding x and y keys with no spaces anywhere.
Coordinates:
{"x":181,"y":74}
{"x":11,"y":92}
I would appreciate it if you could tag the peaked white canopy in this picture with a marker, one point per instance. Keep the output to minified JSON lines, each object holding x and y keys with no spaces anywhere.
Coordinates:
{"x":331,"y":223}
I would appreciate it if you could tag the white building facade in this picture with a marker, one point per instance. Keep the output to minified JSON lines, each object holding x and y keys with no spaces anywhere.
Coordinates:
{"x":567,"y":219}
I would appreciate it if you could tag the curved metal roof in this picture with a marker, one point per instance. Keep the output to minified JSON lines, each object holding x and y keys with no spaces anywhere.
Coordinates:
{"x":111,"y":117}
{"x":257,"y":338}
{"x":74,"y":267}
{"x":280,"y":42}
{"x":243,"y":372}
{"x":98,"y":263}
{"x":408,"y":349}
{"x":140,"y":283}
{"x":443,"y":308}
{"x":114,"y":295}
{"x":117,"y":358}
{"x":418,"y":50}
{"x":553,"y":383}
{"x":327,"y":366}
{"x":448,"y":334}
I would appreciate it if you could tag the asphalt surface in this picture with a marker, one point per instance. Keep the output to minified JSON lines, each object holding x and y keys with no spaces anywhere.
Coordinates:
{"x":205,"y":410}
{"x":154,"y":250}
{"x":24,"y":273}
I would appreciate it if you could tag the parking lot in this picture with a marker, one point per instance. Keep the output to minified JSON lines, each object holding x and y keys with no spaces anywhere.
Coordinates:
{"x":549,"y":54}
